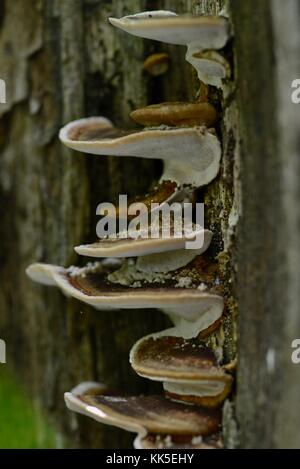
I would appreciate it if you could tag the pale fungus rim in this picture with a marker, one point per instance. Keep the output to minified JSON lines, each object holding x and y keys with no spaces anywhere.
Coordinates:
{"x":214,"y":373}
{"x":197,"y":308}
{"x":166,"y":416}
{"x":130,"y":247}
{"x":210,"y":31}
{"x":201,"y":145}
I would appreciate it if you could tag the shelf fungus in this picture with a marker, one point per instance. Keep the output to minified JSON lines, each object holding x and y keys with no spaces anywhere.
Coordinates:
{"x":157,"y":64}
{"x":188,"y":369}
{"x":133,"y":243}
{"x":164,"y":192}
{"x":199,"y":33}
{"x":193,"y":304}
{"x":145,"y":415}
{"x":176,"y":114}
{"x":212,"y":67}
{"x":201,"y":147}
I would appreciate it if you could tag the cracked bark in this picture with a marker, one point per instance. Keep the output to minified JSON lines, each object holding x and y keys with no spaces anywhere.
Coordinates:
{"x":268,"y":243}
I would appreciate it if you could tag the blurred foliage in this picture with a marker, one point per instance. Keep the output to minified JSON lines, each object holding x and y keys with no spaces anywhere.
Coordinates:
{"x":22,"y":424}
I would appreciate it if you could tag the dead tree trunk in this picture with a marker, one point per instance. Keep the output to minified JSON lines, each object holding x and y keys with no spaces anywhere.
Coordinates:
{"x":267,"y":55}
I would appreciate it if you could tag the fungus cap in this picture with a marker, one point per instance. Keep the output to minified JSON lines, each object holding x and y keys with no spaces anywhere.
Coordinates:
{"x":211,"y":32}
{"x":176,"y":114}
{"x":212,"y":67}
{"x":200,"y":147}
{"x":157,"y":64}
{"x":188,"y":368}
{"x":145,"y":414}
{"x":91,"y":286}
{"x":142,"y":246}
{"x":164,"y":192}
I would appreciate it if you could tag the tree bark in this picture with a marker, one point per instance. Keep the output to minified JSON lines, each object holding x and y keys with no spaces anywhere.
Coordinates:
{"x":267,"y":57}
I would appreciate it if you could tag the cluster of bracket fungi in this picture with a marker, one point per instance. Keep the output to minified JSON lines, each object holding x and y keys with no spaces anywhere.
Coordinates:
{"x":160,"y":273}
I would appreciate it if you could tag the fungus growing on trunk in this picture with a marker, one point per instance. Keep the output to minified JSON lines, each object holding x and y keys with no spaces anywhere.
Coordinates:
{"x":180,"y":176}
{"x":198,"y":33}
{"x":163,"y":192}
{"x":211,"y":66}
{"x":201,"y":147}
{"x":176,"y":114}
{"x":145,"y":414}
{"x":188,"y":369}
{"x":157,"y":64}
{"x":129,"y":244}
{"x":107,"y":286}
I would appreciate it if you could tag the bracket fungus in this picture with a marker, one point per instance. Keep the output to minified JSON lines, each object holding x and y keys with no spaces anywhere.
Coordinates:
{"x":198,"y":33}
{"x":176,"y":114}
{"x":144,"y":414}
{"x":163,"y":192}
{"x":99,"y":285}
{"x":179,"y":179}
{"x":188,"y":369}
{"x":133,"y":244}
{"x":157,"y":64}
{"x":201,"y":147}
{"x":212,"y":67}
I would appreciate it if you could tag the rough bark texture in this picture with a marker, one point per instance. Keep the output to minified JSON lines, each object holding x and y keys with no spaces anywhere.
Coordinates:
{"x":62,"y":60}
{"x":267,"y":54}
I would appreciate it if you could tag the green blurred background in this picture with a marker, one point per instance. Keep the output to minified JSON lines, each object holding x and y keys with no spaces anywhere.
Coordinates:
{"x":22,"y":423}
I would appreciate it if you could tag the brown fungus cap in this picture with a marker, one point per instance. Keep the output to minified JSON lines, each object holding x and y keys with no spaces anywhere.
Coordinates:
{"x":157,"y":64}
{"x":176,"y":114}
{"x":92,"y":285}
{"x":164,"y":192}
{"x":204,"y":401}
{"x":188,"y":368}
{"x":146,"y":414}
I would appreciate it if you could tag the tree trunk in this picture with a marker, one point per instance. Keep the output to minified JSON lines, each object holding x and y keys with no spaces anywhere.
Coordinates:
{"x":267,"y":55}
